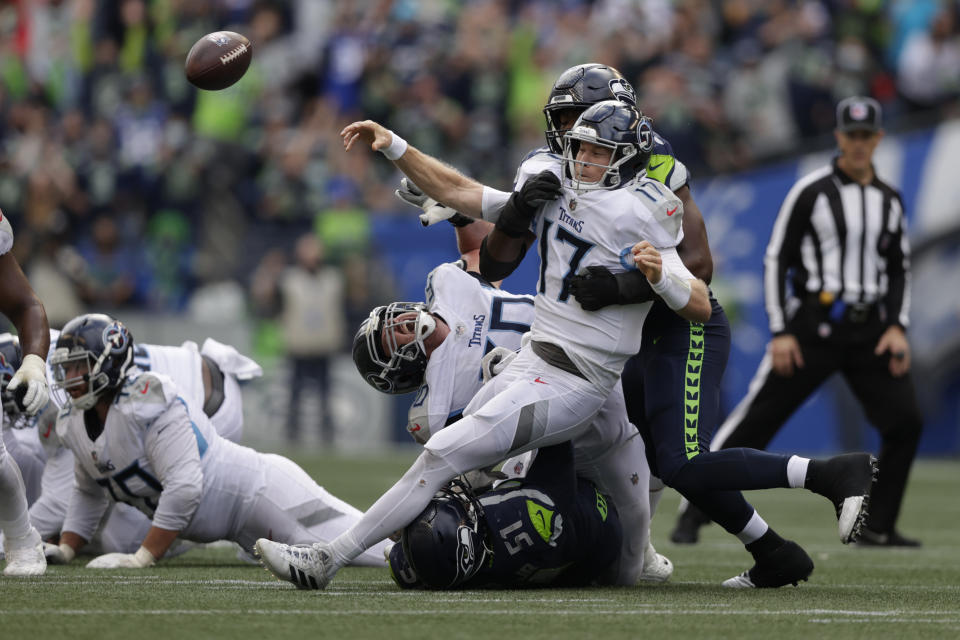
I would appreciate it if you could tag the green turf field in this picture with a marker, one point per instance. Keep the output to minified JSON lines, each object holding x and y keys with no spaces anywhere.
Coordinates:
{"x":853,"y":593}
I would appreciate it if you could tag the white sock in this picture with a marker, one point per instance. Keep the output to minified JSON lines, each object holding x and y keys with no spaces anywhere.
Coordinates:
{"x":754,"y":530}
{"x":395,"y":509}
{"x":656,"y":492}
{"x":797,"y":471}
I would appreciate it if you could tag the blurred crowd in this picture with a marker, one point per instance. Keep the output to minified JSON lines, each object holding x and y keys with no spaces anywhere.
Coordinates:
{"x":129,"y":188}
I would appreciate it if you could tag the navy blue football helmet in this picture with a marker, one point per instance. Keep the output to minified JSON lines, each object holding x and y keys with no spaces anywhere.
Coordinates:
{"x":614,"y":125}
{"x":10,"y":361}
{"x":95,"y":352}
{"x":446,"y":544}
{"x":578,"y":88}
{"x":385,"y":365}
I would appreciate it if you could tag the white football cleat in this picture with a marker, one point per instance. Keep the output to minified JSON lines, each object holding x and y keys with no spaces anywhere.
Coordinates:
{"x":25,"y":561}
{"x":304,"y":565}
{"x":656,"y":567}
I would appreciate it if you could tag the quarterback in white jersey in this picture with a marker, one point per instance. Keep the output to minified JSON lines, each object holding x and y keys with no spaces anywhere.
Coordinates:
{"x":545,"y":395}
{"x":137,"y":440}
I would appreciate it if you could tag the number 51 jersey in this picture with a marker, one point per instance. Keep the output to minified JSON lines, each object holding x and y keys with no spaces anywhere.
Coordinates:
{"x":480,"y":317}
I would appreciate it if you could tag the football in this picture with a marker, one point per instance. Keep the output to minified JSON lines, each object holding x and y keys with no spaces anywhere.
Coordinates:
{"x":218,"y":60}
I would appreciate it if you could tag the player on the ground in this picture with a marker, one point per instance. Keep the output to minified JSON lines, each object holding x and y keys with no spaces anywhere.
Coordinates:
{"x":549,"y":528}
{"x":552,"y":390}
{"x":210,"y":376}
{"x":22,"y":544}
{"x":137,"y":439}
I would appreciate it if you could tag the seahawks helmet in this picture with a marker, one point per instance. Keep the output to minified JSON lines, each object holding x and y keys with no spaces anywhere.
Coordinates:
{"x":385,"y":365}
{"x":10,"y":361}
{"x":446,"y":544}
{"x":579,"y":87}
{"x":614,"y":125}
{"x":94,"y":352}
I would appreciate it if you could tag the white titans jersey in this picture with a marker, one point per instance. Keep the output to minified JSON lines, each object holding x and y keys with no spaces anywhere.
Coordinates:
{"x":480,"y":317}
{"x":160,"y":454}
{"x":6,"y":234}
{"x":180,"y":363}
{"x":598,"y":228}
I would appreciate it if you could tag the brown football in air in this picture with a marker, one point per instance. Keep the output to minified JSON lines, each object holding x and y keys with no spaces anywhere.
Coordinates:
{"x":218,"y":60}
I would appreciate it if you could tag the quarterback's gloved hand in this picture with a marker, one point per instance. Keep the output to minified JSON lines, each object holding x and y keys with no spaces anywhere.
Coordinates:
{"x":32,"y":374}
{"x":58,"y":553}
{"x":514,"y":220}
{"x":598,"y":288}
{"x":139,"y":560}
{"x":433,"y":211}
{"x":495,"y":362}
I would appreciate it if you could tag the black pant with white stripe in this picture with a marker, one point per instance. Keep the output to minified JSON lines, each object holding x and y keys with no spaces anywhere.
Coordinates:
{"x":890,"y":403}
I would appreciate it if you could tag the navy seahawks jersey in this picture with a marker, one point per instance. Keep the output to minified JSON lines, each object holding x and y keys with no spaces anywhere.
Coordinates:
{"x":545,"y":535}
{"x":548,"y":529}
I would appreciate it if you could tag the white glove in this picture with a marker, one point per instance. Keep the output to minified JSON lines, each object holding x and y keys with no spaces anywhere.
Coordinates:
{"x":495,"y":362}
{"x":142,"y":558}
{"x":433,"y":211}
{"x":58,"y":554}
{"x":33,"y":373}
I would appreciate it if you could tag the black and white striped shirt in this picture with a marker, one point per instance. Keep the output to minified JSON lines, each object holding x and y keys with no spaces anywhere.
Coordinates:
{"x":835,"y":235}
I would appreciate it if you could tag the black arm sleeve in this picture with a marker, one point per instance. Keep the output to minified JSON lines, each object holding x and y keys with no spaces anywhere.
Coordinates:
{"x":492,"y":269}
{"x":633,"y":287}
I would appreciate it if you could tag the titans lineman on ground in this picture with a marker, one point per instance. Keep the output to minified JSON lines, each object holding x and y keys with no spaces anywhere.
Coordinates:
{"x":209,"y":376}
{"x":136,"y":439}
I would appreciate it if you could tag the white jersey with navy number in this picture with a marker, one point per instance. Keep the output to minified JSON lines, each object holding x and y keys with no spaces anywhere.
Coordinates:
{"x":161,"y":455}
{"x":599,"y":228}
{"x":156,"y":452}
{"x":480,"y":318}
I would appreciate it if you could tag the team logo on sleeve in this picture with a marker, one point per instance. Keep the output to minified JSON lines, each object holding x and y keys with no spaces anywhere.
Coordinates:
{"x":116,"y":337}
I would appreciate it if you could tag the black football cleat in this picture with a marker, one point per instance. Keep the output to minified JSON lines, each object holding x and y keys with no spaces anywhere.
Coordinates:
{"x":787,"y":564}
{"x":687,"y":529}
{"x":870,"y":538}
{"x":846,"y":481}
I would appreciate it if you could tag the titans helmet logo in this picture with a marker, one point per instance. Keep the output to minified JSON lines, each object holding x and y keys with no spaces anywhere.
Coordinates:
{"x":116,"y":338}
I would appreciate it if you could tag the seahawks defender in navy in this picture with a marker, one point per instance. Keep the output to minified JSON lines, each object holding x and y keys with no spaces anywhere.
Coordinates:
{"x":548,"y":529}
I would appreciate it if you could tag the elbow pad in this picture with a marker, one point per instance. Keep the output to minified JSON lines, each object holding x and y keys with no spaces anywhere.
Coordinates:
{"x":492,"y":269}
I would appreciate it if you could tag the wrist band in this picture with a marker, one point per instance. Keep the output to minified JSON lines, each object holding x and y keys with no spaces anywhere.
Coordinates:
{"x":67,"y":551}
{"x":396,"y":148}
{"x":144,"y":557}
{"x":673,"y":290}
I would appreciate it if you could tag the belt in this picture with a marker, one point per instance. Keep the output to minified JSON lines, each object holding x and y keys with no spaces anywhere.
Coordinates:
{"x":215,"y":400}
{"x":555,"y":356}
{"x":839,"y":311}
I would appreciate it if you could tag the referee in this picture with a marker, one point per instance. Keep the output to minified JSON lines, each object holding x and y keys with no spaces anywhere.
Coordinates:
{"x":837,"y":288}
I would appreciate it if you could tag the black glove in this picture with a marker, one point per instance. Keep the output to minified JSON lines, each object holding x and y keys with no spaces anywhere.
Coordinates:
{"x":515,"y":218}
{"x":538,"y":190}
{"x":598,"y":288}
